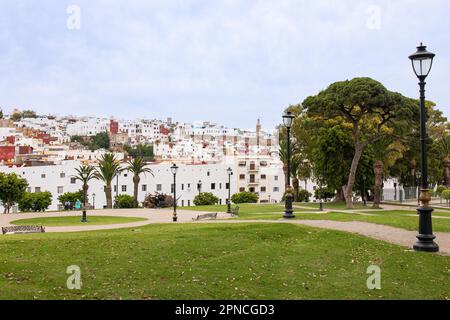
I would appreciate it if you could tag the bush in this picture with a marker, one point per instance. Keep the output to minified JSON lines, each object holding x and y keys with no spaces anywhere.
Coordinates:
{"x":71,"y":198}
{"x":158,"y":200}
{"x":439,"y":190}
{"x":124,"y":201}
{"x":35,"y":202}
{"x":446,"y":194}
{"x":324,"y":193}
{"x":206,"y":199}
{"x":244,"y":197}
{"x":304,"y":195}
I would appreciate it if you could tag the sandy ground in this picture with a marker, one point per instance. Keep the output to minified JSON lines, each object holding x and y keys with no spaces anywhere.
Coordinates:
{"x":380,"y":232}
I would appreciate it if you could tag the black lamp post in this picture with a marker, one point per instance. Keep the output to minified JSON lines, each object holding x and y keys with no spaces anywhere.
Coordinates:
{"x":230,"y":173}
{"x":93,"y":200}
{"x":288,"y":119}
{"x":174,"y":169}
{"x":364,"y":191}
{"x":422,"y":61}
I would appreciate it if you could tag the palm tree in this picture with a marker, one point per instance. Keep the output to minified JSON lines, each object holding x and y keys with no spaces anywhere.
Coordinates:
{"x":137,"y":166}
{"x":387,"y":152}
{"x":108,"y":168}
{"x":85,"y":174}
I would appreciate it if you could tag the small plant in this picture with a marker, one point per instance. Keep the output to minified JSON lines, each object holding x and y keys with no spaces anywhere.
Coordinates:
{"x":304,"y":195}
{"x":446,"y":195}
{"x":158,"y":200}
{"x":124,"y":201}
{"x":206,"y":199}
{"x":439,"y":190}
{"x":324,"y":193}
{"x":245,"y":197}
{"x":69,"y":199}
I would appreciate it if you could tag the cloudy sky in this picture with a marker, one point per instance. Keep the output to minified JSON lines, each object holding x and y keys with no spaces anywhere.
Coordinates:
{"x":229,"y":61}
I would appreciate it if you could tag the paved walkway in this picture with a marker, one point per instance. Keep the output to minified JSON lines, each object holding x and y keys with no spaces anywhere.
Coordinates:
{"x":380,"y":232}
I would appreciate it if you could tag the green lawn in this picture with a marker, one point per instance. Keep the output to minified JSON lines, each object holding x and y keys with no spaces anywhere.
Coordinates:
{"x":226,"y":261}
{"x":333,"y":205}
{"x":74,"y":221}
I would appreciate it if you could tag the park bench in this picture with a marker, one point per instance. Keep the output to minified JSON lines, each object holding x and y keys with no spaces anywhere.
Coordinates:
{"x":23,"y":229}
{"x":235,"y":211}
{"x":205,"y":216}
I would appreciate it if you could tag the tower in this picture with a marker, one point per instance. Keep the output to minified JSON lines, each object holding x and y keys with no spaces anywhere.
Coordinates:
{"x":258,"y":132}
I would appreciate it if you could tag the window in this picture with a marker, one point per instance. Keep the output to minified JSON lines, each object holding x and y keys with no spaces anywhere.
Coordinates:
{"x":182,"y":187}
{"x":242,"y":163}
{"x":159,"y":187}
{"x":29,"y":189}
{"x":208,"y":173}
{"x":73,"y":180}
{"x":241,"y":189}
{"x":124,"y":188}
{"x":275,"y":178}
{"x":60,"y":190}
{"x":227,"y":186}
{"x":276,"y":189}
{"x":242,"y":176}
{"x":213,"y":186}
{"x":115,"y":188}
{"x":263,"y":189}
{"x":43,"y":176}
{"x":144,"y":187}
{"x":263,"y":177}
{"x":263,"y":163}
{"x":37,"y":189}
{"x":62,"y":175}
{"x":125,"y":175}
{"x":189,"y":203}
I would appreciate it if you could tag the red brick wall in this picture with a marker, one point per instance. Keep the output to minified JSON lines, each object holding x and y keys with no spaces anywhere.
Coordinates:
{"x":114,"y":127}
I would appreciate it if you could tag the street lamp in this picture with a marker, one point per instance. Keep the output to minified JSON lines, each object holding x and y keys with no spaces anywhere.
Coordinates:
{"x":93,"y":200}
{"x":422,"y":61}
{"x":288,"y":119}
{"x":230,"y":173}
{"x":364,"y":191}
{"x":174,"y":170}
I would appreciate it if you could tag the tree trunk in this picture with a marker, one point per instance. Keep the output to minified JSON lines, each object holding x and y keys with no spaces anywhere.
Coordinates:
{"x":340,"y":195}
{"x":348,"y":190}
{"x":378,"y":168}
{"x":285,"y":170}
{"x":296,"y":186}
{"x":108,"y":194}
{"x":136,"y":180}
{"x":85,"y":191}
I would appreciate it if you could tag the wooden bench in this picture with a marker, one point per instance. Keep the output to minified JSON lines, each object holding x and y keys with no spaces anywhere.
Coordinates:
{"x":235,"y":211}
{"x":23,"y":229}
{"x":205,"y":216}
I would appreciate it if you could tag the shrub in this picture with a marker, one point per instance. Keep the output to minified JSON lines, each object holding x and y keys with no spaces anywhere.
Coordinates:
{"x":244,"y":197}
{"x":325,"y":193}
{"x":36,"y":202}
{"x":158,"y":200}
{"x":446,"y":194}
{"x":304,"y":195}
{"x":206,"y":199}
{"x":124,"y":201}
{"x":71,"y":197}
{"x":439,"y":190}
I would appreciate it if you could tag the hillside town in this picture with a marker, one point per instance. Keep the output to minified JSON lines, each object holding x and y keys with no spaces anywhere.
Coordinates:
{"x":47,"y":149}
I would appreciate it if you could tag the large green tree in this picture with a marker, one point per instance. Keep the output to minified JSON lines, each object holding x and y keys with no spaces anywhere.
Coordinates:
{"x":12,"y":190}
{"x":367,"y":109}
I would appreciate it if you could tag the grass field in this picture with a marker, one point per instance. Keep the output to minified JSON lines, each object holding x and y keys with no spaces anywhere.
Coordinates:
{"x":249,"y":261}
{"x":74,"y":221}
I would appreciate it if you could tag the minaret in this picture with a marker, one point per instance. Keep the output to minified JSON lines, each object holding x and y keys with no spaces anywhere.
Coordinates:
{"x":258,"y":132}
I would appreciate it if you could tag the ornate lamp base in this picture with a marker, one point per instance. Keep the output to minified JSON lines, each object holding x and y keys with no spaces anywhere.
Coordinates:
{"x":425,"y":237}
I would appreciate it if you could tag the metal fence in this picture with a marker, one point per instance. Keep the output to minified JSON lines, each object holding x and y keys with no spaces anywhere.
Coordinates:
{"x":400,"y":194}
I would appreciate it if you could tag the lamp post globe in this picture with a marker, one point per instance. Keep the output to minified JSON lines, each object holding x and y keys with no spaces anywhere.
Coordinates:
{"x":230,"y":173}
{"x":288,"y":119}
{"x":422,"y":62}
{"x":174,"y":169}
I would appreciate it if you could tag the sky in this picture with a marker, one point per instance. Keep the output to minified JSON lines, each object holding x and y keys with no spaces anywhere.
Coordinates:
{"x":226,"y":61}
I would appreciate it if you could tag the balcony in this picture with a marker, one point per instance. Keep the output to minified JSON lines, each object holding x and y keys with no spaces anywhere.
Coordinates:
{"x":253,"y":181}
{"x":253,"y":168}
